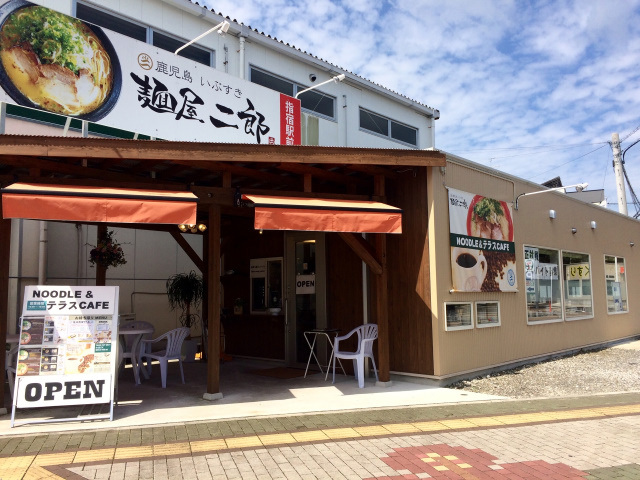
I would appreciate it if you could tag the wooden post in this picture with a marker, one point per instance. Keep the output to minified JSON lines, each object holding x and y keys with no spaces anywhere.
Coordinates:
{"x":381,"y":307}
{"x":205,"y":295}
{"x":380,"y":293}
{"x":101,"y":271}
{"x":213,"y":305}
{"x":5,"y":252}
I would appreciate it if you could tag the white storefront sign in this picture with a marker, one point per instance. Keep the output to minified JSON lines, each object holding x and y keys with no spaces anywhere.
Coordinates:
{"x":140,"y":88}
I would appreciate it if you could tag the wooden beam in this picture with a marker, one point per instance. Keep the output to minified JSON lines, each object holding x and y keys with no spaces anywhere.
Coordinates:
{"x":226,"y":179}
{"x":92,"y":182}
{"x":188,"y":249}
{"x":241,"y":171}
{"x":364,"y":250}
{"x":5,"y":256}
{"x":34,"y":163}
{"x":213,"y":305}
{"x":202,"y":152}
{"x":224,"y":196}
{"x":308,"y":183}
{"x":323,"y":174}
{"x":373,"y":170}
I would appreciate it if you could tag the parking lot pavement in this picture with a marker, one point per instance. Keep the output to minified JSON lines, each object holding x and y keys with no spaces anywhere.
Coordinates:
{"x":594,"y":437}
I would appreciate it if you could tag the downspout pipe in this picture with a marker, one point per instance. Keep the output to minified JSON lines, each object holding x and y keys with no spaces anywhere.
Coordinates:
{"x":42,"y":254}
{"x":241,"y":69}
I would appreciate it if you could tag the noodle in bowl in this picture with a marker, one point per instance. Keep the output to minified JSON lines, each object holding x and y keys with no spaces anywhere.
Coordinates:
{"x":56,"y":62}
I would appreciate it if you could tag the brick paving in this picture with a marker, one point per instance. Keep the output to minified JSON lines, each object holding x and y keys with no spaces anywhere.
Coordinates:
{"x":590,"y":437}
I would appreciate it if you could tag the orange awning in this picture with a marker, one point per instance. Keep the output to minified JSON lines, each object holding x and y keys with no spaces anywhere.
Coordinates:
{"x":97,"y":204}
{"x":324,"y":215}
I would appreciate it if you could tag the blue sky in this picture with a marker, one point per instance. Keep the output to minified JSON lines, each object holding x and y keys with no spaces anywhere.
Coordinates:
{"x":532,"y":88}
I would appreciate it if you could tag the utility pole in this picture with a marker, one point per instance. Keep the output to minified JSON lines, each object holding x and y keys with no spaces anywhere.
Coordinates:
{"x":617,"y":168}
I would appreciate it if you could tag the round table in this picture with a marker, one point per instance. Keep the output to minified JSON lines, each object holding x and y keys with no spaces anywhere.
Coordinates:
{"x":135,"y":361}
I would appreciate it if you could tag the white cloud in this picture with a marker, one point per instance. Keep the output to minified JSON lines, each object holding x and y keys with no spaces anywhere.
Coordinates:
{"x":504,"y":74}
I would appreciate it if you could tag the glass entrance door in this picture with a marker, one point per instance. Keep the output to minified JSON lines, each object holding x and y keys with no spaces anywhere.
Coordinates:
{"x":306,"y":289}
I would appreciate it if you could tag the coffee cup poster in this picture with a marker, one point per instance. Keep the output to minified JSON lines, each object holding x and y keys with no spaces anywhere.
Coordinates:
{"x":483,"y":255}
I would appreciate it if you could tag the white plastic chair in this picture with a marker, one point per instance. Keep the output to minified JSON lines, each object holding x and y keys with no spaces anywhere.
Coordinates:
{"x":174,"y":339}
{"x":366,"y":336}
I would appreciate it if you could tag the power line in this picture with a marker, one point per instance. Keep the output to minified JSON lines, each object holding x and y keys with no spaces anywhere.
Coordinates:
{"x":570,"y":161}
{"x":634,"y":131}
{"x":534,"y":147}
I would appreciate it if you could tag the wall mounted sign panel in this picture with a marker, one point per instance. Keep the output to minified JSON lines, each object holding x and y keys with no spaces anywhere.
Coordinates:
{"x":108,"y":78}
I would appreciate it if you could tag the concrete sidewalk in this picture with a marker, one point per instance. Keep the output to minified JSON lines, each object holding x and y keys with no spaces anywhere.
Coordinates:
{"x":579,"y":437}
{"x":248,"y":392}
{"x":297,"y":428}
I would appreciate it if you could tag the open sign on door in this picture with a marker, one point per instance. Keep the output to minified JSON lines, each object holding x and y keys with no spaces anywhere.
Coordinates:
{"x":305,"y":284}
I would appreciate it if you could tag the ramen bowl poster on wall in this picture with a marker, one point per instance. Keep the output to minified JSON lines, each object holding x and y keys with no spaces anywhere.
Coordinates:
{"x":482,"y":249}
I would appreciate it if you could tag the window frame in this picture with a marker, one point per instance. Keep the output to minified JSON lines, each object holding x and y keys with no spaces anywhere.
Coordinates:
{"x":116,"y":16}
{"x":449,"y":328}
{"x":566,"y":295}
{"x":390,"y":123}
{"x":477,"y":316}
{"x":296,"y":87}
{"x":560,"y":281}
{"x":626,"y":288}
{"x":192,"y":47}
{"x":150,"y":31}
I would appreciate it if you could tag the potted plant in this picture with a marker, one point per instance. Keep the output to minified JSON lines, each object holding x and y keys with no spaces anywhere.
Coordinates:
{"x":184,"y":291}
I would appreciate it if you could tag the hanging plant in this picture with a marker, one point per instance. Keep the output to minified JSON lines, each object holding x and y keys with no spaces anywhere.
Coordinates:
{"x":107,"y":253}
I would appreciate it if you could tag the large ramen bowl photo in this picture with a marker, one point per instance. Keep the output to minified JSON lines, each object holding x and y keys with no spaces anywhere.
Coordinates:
{"x":57,"y":63}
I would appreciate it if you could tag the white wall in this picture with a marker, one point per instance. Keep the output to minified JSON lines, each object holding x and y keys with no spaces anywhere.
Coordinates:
{"x":165,"y":16}
{"x":151,"y":258}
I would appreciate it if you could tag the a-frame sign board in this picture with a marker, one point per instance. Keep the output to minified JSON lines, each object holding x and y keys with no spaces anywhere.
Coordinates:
{"x":68,"y":349}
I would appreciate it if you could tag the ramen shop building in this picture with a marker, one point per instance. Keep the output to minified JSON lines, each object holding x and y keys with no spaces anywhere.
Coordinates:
{"x":301,"y":234}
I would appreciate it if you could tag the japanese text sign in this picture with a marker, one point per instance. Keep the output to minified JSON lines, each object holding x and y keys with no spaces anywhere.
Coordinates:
{"x":131,"y":85}
{"x":67,"y":351}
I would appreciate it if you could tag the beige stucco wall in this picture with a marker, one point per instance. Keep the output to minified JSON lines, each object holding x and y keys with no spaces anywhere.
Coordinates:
{"x":462,"y":351}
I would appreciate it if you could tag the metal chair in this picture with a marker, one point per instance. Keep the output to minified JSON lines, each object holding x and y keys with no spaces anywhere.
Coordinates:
{"x":367,"y":334}
{"x":174,"y":339}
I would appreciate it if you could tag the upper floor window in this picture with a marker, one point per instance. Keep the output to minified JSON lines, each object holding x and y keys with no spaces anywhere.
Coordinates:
{"x":117,"y":24}
{"x":140,"y":32}
{"x":386,"y":127}
{"x":312,"y":101}
{"x":192,"y":52}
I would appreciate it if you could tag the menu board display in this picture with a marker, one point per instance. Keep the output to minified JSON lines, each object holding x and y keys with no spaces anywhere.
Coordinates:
{"x":52,"y":345}
{"x":68,"y":343}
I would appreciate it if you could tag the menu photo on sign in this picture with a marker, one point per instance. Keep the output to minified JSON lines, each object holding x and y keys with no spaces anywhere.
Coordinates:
{"x":482,"y":248}
{"x":67,"y":352}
